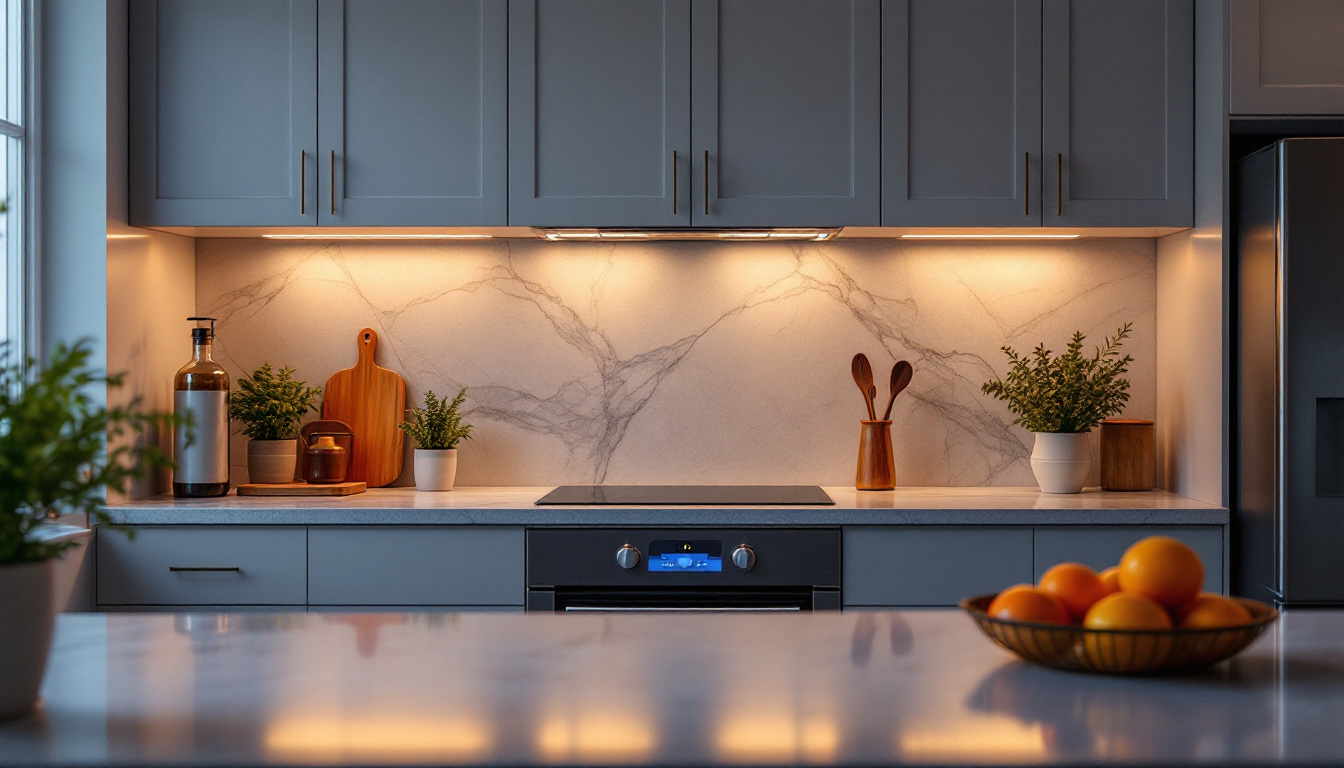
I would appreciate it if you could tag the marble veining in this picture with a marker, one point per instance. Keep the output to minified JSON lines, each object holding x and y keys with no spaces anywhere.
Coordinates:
{"x":688,"y":362}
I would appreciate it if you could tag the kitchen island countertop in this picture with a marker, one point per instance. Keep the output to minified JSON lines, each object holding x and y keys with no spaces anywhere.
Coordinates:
{"x":515,"y":506}
{"x":904,"y":687}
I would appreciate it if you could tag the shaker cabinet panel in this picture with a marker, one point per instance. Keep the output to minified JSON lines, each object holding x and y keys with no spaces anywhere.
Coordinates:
{"x":413,"y":112}
{"x":785,"y":112}
{"x":223,"y":112}
{"x":961,"y":113}
{"x":1118,"y":114}
{"x":599,"y":113}
{"x":1286,"y":57}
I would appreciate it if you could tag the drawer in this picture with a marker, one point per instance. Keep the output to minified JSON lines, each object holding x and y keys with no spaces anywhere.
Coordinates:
{"x":1100,"y":546}
{"x":246,"y":565}
{"x":415,"y":565}
{"x":932,"y":565}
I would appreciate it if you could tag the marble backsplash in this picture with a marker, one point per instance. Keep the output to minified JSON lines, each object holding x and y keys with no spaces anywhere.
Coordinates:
{"x":688,"y":362}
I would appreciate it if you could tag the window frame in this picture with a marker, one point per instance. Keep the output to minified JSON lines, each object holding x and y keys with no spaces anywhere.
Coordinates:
{"x":20,"y":243}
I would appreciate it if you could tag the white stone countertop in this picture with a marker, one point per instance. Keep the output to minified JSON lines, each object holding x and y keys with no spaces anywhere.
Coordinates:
{"x":515,"y":506}
{"x":919,"y":687}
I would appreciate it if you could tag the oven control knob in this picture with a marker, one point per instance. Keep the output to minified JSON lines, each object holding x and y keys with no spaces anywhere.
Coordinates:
{"x":744,"y":558}
{"x":627,"y":557}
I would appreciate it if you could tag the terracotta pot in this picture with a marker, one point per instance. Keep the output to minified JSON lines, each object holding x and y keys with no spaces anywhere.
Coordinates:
{"x":1061,"y":461}
{"x":27,"y":618}
{"x":271,"y":461}
{"x":435,"y":470}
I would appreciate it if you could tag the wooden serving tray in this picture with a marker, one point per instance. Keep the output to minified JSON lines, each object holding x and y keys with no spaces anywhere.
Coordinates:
{"x":302,"y":489}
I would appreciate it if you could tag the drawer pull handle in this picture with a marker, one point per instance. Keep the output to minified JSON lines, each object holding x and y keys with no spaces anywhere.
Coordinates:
{"x":205,"y":569}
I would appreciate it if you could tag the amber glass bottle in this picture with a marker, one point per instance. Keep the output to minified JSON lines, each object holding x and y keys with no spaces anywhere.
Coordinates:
{"x":201,"y":393}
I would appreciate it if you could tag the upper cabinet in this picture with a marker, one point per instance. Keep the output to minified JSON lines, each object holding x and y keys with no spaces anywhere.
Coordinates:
{"x":1059,"y":113}
{"x":665,"y":113}
{"x":230,"y":128}
{"x":223,"y":112}
{"x":1286,"y":57}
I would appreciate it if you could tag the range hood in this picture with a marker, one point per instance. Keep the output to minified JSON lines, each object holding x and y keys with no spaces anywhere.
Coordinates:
{"x":758,"y":234}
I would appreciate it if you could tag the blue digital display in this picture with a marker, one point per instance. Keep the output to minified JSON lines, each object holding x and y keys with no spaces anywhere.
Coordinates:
{"x":686,"y":556}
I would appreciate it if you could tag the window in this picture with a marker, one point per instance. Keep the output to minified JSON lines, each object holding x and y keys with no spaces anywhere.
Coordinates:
{"x":15,"y":76}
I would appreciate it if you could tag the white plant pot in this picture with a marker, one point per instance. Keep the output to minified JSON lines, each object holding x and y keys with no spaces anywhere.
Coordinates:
{"x":435,"y":470}
{"x":271,"y":461}
{"x":1061,"y":461}
{"x":27,"y":617}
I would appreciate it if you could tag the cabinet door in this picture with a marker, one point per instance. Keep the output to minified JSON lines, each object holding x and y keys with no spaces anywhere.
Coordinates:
{"x":961,"y":113}
{"x":599,"y":113}
{"x":785,"y":109}
{"x":1286,"y":57}
{"x":1118,"y":113}
{"x":932,"y":565}
{"x":1100,"y":546}
{"x":413,"y":112}
{"x":223,"y":112}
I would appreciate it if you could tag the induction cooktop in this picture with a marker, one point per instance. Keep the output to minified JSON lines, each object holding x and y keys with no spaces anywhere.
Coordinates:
{"x":726,"y":495}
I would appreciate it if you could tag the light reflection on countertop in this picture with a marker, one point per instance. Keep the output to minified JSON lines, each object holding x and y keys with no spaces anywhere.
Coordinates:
{"x":919,"y":686}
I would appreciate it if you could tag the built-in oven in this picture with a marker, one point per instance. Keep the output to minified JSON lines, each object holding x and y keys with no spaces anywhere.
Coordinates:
{"x":683,"y":569}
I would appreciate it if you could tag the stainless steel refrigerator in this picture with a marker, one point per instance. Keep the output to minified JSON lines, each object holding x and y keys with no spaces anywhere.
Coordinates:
{"x":1288,"y":373}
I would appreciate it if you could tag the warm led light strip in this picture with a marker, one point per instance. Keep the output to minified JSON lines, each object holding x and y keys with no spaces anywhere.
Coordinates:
{"x":379,"y":237}
{"x":989,"y":237}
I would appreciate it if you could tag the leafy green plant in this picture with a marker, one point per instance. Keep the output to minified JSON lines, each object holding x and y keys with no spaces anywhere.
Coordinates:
{"x":438,"y":426}
{"x":54,"y":454}
{"x":1067,"y":393}
{"x":271,"y":403}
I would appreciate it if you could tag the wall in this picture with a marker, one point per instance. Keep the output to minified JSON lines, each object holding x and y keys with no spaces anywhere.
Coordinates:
{"x":688,"y":362}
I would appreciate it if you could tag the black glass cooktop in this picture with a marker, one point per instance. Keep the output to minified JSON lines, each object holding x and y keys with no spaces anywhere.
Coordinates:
{"x":769,"y":495}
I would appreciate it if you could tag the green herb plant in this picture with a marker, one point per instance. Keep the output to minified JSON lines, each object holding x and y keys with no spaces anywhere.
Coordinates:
{"x":438,"y":426}
{"x":54,"y":447}
{"x":1065,"y":393}
{"x":270,"y":403}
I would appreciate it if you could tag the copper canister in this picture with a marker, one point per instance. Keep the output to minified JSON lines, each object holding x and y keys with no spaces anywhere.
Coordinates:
{"x":326,"y":461}
{"x":1128,"y":455}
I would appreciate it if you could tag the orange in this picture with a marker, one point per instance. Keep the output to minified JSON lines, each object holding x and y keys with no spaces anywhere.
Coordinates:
{"x":1209,"y":611}
{"x":1124,"y":610}
{"x":1027,"y":603}
{"x":1121,"y":651}
{"x":1074,"y":585}
{"x":1110,"y":578}
{"x":1163,"y":569}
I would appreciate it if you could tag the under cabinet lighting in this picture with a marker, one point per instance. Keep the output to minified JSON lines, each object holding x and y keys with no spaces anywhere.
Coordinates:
{"x":1042,"y":236}
{"x":364,"y":236}
{"x":739,"y":235}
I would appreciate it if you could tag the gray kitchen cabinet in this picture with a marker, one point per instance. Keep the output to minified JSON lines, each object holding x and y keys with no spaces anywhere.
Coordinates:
{"x":415,"y":565}
{"x":223,"y":112}
{"x":1118,"y":113}
{"x":961,"y":113}
{"x":1286,"y":57}
{"x":412,"y":112}
{"x":599,"y":113}
{"x":1100,"y":546}
{"x":215,"y":565}
{"x":785,"y":113}
{"x":932,"y":565}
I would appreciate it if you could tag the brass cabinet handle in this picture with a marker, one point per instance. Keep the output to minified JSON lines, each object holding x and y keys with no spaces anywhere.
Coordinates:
{"x":1026,"y":185}
{"x":204,"y":569}
{"x":674,"y":182}
{"x":333,"y":182}
{"x":303,"y":182}
{"x":706,"y":182}
{"x":1059,"y":185}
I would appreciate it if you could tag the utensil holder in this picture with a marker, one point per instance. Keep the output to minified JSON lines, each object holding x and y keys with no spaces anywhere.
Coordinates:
{"x":877,"y":464}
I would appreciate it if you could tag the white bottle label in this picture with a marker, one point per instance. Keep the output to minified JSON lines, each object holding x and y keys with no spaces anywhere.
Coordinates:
{"x":205,"y":458}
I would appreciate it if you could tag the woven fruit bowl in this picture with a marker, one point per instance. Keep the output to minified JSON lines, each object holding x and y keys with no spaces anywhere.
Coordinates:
{"x":1116,"y":651}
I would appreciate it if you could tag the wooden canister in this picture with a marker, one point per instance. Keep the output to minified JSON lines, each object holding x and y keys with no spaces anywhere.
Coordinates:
{"x":1128,"y":455}
{"x":876,"y":469}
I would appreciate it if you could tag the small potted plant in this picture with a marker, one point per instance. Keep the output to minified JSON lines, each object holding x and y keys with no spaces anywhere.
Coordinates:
{"x":270,"y":405}
{"x":436,"y":430}
{"x":59,"y":450}
{"x":1061,"y":399}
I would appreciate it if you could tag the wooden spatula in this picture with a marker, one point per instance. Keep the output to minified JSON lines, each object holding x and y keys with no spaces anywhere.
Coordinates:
{"x":372,"y":400}
{"x":900,"y":379}
{"x":863,"y":376}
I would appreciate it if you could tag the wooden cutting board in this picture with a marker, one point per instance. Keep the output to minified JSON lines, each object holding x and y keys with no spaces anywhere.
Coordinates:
{"x":372,"y":400}
{"x":300,"y":489}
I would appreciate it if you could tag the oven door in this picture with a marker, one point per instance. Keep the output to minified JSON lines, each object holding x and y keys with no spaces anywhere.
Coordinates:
{"x":587,"y":599}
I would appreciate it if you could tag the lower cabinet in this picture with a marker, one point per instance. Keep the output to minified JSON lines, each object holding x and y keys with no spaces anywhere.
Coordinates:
{"x":1100,"y":546}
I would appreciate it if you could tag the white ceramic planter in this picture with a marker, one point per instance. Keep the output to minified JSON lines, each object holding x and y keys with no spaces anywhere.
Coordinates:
{"x":435,"y":470}
{"x":27,"y":617}
{"x":1061,"y":461}
{"x":271,"y":461}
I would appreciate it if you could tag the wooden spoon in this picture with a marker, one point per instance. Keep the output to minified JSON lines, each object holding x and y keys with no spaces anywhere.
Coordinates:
{"x":863,"y":376}
{"x":900,"y":379}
